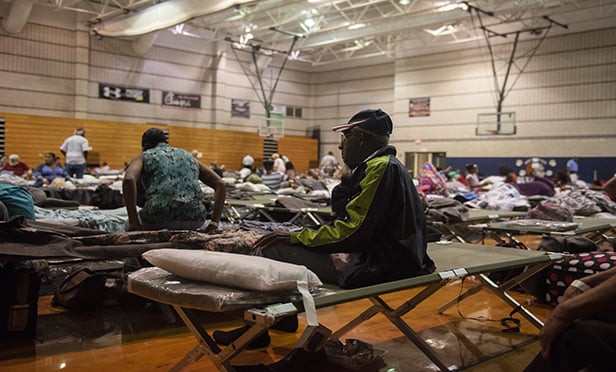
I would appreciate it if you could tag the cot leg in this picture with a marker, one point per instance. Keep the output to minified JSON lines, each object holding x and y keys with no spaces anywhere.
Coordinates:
{"x":459,"y":298}
{"x":207,"y":346}
{"x":394,"y":316}
{"x":315,"y":218}
{"x":355,"y":322}
{"x":418,"y":341}
{"x":192,"y":356}
{"x":511,"y":301}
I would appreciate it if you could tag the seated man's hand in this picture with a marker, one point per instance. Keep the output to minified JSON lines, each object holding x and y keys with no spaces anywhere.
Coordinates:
{"x":346,"y":175}
{"x":212,"y":228}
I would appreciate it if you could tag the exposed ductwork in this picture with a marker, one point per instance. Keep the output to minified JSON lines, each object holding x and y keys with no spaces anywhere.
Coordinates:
{"x":18,"y":16}
{"x":162,"y":16}
{"x":144,"y":43}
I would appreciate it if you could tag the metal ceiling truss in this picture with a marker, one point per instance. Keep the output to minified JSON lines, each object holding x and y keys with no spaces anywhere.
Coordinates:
{"x":341,"y":30}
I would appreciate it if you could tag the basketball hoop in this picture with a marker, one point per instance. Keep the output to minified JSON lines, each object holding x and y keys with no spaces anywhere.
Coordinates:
{"x":495,"y":124}
{"x":272,"y":128}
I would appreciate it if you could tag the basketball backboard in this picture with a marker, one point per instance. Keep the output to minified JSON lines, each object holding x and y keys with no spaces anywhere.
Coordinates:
{"x":495,"y":124}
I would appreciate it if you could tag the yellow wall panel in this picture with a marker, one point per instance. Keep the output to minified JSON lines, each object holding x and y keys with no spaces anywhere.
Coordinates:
{"x":116,"y":143}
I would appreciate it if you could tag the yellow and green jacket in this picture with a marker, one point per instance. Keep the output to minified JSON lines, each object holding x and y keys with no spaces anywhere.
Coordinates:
{"x":380,"y":216}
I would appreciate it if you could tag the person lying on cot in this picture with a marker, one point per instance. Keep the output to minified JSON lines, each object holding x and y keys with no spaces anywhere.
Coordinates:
{"x":380,"y":231}
{"x":164,"y":181}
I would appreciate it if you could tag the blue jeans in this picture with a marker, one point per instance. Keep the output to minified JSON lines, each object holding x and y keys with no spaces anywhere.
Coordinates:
{"x":75,"y":170}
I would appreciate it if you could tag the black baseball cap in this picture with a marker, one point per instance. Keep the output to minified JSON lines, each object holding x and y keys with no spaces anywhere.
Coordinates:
{"x":376,"y":121}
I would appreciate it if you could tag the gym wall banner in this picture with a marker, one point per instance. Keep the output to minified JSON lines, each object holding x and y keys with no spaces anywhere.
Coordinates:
{"x":240,"y":108}
{"x":190,"y":101}
{"x":117,"y":93}
{"x":419,"y":106}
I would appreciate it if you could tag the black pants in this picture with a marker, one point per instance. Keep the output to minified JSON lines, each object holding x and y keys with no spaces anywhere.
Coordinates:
{"x":588,"y":343}
{"x":319,"y":263}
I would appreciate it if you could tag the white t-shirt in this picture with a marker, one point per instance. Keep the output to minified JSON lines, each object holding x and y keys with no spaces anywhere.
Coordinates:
{"x":328,"y":161}
{"x":279,"y":165}
{"x":74,"y":147}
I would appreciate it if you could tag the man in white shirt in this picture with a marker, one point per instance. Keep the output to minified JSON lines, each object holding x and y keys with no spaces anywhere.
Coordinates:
{"x":279,"y":165}
{"x":75,"y":148}
{"x":328,"y":164}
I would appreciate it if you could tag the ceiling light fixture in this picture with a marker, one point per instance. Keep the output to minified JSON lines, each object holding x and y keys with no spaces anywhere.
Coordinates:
{"x":404,"y":2}
{"x":443,"y":30}
{"x":178,"y":29}
{"x":356,"y":26}
{"x":294,"y":55}
{"x":244,"y":39}
{"x":181,"y":29}
{"x":447,"y":7}
{"x":309,"y":22}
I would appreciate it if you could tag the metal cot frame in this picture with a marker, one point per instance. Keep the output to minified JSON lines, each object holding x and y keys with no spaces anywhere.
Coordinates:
{"x":454,"y":260}
{"x":476,"y":216}
{"x":596,"y":229}
{"x":240,"y":210}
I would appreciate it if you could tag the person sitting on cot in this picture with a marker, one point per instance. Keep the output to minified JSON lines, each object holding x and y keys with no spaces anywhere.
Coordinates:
{"x":164,"y":181}
{"x":379,"y":234}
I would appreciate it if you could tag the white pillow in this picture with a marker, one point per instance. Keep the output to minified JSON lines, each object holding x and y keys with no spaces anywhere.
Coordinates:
{"x":231,"y":269}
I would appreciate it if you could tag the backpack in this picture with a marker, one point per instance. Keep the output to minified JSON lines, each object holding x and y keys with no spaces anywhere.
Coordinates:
{"x":569,"y":244}
{"x":106,"y":198}
{"x":446,"y":210}
{"x":550,"y":211}
{"x":500,"y":277}
{"x":83,"y":289}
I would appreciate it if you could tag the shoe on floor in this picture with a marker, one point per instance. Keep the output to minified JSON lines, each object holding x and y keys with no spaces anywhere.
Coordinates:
{"x":287,"y":324}
{"x":300,"y":360}
{"x":227,"y":337}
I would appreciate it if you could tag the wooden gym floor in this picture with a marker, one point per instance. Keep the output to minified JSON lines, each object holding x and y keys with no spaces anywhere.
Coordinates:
{"x":134,"y":335}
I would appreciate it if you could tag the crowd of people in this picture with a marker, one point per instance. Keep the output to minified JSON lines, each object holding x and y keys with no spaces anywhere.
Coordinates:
{"x":75,"y":150}
{"x":529,"y":181}
{"x":379,"y":231}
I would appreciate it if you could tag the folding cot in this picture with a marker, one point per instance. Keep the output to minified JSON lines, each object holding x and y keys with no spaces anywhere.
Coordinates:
{"x":262,"y":207}
{"x":454,"y":260}
{"x":596,"y":229}
{"x":460,"y":230}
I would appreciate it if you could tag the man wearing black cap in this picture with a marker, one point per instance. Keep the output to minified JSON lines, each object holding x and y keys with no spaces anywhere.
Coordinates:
{"x":380,"y":222}
{"x":379,"y":234}
{"x":165,"y":180}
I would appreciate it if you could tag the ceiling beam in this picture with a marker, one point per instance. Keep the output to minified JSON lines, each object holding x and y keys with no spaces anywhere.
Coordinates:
{"x":399,"y":24}
{"x":162,"y":16}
